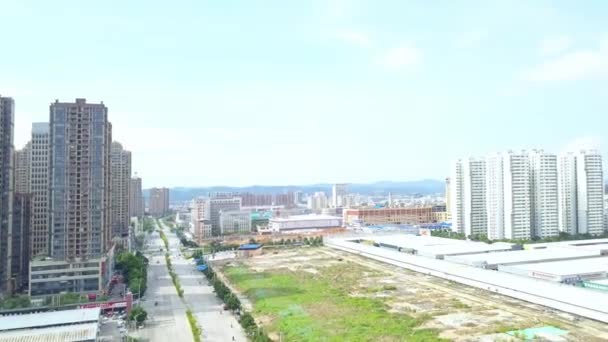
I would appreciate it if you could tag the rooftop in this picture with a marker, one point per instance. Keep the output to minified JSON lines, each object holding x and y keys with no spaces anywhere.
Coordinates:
{"x":76,"y":332}
{"x":310,"y":217}
{"x":49,"y":319}
{"x":568,"y":267}
{"x":523,"y":256}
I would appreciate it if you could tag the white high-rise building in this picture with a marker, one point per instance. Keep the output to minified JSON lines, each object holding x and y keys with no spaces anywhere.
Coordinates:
{"x":468,"y":194}
{"x":457,"y":197}
{"x":495,"y":196}
{"x":545,"y":204}
{"x":338,"y":193}
{"x":568,"y":222}
{"x":590,"y":192}
{"x":517,"y":199}
{"x":475,"y":213}
{"x":317,"y":202}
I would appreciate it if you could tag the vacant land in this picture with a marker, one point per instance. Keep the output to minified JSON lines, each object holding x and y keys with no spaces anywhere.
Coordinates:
{"x":319,"y":294}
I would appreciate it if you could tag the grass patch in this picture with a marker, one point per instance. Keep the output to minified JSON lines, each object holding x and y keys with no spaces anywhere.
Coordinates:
{"x":314,"y":307}
{"x":196,"y":329}
{"x":174,"y":277}
{"x":164,"y":238}
{"x":458,"y":304}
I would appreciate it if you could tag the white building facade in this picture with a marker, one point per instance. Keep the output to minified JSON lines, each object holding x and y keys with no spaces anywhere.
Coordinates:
{"x":235,"y":222}
{"x":590,"y":192}
{"x":545,"y":204}
{"x":568,"y":222}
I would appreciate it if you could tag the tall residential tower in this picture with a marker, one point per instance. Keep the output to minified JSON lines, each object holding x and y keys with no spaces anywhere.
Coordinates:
{"x":120,"y":175}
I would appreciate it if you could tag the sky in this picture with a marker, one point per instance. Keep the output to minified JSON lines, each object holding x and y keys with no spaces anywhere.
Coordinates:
{"x":299,"y":92}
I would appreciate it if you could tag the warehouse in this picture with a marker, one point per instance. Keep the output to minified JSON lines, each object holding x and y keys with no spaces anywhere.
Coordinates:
{"x":600,"y":245}
{"x":492,"y":260}
{"x":67,"y":325}
{"x":304,"y":222}
{"x":567,"y":271}
{"x":436,"y":247}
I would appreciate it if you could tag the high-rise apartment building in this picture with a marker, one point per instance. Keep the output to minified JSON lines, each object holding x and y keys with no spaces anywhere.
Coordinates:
{"x":120,"y":175}
{"x":495,"y":196}
{"x":475,"y":213}
{"x":80,"y":138}
{"x":7,"y":115}
{"x":39,"y":188}
{"x":544,"y":191}
{"x":20,"y":241}
{"x":448,"y":198}
{"x":457,"y":197}
{"x":22,"y":169}
{"x":159,"y":201}
{"x":317,"y":202}
{"x":337,"y":194}
{"x":590,"y":196}
{"x":568,"y":222}
{"x":517,"y":195}
{"x":136,"y":198}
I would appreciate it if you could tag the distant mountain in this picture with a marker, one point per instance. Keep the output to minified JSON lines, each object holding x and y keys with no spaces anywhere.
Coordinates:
{"x":427,"y":186}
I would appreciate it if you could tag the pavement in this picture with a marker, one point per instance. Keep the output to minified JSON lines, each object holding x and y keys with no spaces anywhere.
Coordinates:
{"x":167,"y":320}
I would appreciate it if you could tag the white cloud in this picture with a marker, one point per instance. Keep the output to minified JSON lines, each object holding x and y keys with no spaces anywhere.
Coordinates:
{"x":354,"y":38}
{"x":589,"y":142}
{"x":575,"y":65}
{"x":402,"y":58}
{"x":555,"y":45}
{"x":470,"y":39}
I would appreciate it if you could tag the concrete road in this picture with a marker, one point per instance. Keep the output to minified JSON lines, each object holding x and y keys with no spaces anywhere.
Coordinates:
{"x":167,"y":321}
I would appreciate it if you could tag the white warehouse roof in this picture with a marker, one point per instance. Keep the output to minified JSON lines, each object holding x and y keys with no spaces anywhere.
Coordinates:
{"x":561,"y":269}
{"x":49,"y":319}
{"x":586,"y":244}
{"x":311,"y":217}
{"x":491,"y":260}
{"x":76,"y":332}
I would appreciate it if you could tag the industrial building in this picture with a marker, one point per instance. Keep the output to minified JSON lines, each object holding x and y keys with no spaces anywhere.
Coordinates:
{"x":493,"y":260}
{"x":572,"y":299}
{"x":68,"y":325}
{"x":600,"y":245}
{"x":303,"y":222}
{"x":436,"y":247}
{"x":367,"y":216}
{"x":566,"y":271}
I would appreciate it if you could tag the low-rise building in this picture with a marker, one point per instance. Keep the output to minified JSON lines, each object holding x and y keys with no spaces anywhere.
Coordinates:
{"x":373,"y":216}
{"x":303,"y":222}
{"x":48,"y":276}
{"x":202,"y":230}
{"x":249,"y":250}
{"x":235,"y":222}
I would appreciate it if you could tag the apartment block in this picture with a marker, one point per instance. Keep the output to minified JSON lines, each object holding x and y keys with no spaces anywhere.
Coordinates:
{"x":216,"y":206}
{"x":39,"y":188}
{"x":120,"y":175}
{"x":338,"y":191}
{"x":544,"y":191}
{"x":136,"y":198}
{"x":7,"y":115}
{"x":22,"y":169}
{"x":159,"y":202}
{"x":80,"y":138}
{"x":20,"y":242}
{"x":517,"y":199}
{"x":475,"y":213}
{"x":495,"y":196}
{"x":590,"y":197}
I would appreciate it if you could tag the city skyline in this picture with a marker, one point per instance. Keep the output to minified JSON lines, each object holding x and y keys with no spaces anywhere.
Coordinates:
{"x":285,"y":87}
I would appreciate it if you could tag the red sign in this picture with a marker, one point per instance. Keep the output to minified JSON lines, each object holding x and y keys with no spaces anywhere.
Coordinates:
{"x":104,"y":306}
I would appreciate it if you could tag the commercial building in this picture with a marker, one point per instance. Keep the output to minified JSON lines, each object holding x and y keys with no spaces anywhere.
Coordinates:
{"x":303,"y":222}
{"x":39,"y":188}
{"x":80,"y":137}
{"x":235,"y":222}
{"x":202,"y":230}
{"x":545,"y":204}
{"x":590,"y":192}
{"x":136,"y":198}
{"x":338,"y":191}
{"x":120,"y":176}
{"x":216,"y":206}
{"x":7,"y":115}
{"x":68,"y":325}
{"x":48,"y":276}
{"x":158,"y":204}
{"x":566,"y":271}
{"x":20,"y":242}
{"x":22,"y":169}
{"x":375,"y":216}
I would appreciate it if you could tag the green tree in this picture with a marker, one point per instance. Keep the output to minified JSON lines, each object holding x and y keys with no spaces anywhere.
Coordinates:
{"x":138,"y":314}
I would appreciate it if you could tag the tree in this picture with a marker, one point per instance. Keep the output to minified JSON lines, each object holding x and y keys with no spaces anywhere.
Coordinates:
{"x":138,"y":314}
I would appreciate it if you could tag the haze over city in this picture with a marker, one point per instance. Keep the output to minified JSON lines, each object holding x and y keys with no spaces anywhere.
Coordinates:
{"x":217,"y":93}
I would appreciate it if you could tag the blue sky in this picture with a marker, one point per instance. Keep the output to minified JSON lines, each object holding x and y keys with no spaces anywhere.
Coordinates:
{"x":296,"y":92}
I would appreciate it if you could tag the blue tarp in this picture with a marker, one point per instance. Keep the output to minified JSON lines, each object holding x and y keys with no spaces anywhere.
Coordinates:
{"x":201,"y":267}
{"x":250,"y":246}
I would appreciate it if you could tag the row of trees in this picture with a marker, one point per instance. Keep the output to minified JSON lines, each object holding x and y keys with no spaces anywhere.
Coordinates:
{"x":255,"y":333}
{"x":134,"y":267}
{"x":312,"y":241}
{"x":174,"y":277}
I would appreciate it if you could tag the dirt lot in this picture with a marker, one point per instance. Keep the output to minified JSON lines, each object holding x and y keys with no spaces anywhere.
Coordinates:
{"x":456,"y":311}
